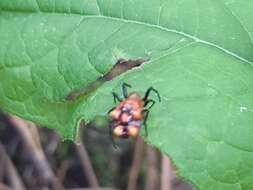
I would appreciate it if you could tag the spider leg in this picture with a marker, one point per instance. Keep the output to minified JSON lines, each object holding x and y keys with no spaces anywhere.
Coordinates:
{"x":111,"y":136}
{"x":145,"y":115}
{"x":111,"y":110}
{"x":116,"y":97}
{"x":150,"y":89}
{"x":151,"y":105}
{"x":124,"y":89}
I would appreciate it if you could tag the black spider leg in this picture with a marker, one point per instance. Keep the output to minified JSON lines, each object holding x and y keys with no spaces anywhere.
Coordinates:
{"x":110,"y":130}
{"x":145,"y":114}
{"x":124,"y":89}
{"x":111,"y":110}
{"x":116,"y":97}
{"x":150,"y":89}
{"x":151,"y":105}
{"x":111,"y":137}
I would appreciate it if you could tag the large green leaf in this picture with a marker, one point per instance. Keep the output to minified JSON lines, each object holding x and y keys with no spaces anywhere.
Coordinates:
{"x":200,"y":59}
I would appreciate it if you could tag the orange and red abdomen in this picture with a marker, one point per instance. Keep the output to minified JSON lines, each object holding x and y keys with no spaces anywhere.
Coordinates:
{"x":131,"y":112}
{"x":115,"y":113}
{"x":127,"y":116}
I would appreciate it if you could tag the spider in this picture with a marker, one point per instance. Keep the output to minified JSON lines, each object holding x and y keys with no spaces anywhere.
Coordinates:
{"x":133,"y":110}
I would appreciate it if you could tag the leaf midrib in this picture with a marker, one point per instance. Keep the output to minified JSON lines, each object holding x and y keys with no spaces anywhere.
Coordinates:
{"x":146,"y":24}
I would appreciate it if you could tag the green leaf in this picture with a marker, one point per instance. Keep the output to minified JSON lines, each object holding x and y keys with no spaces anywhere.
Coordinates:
{"x":200,"y":59}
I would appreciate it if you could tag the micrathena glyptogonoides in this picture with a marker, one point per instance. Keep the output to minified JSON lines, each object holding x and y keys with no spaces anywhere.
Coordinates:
{"x":128,"y":116}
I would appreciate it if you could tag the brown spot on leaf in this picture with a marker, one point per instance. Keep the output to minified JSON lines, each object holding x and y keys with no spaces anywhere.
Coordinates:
{"x":120,"y":67}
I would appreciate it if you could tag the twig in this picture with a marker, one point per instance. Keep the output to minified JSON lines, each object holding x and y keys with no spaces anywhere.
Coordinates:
{"x":4,"y":187}
{"x":62,"y":170}
{"x":84,"y":158}
{"x":86,"y":165}
{"x":166,"y":174}
{"x":60,"y":175}
{"x":152,"y":173}
{"x":11,"y":173}
{"x":98,"y":188}
{"x":136,"y":165}
{"x":2,"y":164}
{"x":35,"y":151}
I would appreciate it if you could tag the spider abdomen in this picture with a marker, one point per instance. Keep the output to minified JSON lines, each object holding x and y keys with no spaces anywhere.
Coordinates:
{"x":128,"y":116}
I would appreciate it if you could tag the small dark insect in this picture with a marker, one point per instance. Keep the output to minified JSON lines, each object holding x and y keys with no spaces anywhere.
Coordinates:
{"x":131,"y":112}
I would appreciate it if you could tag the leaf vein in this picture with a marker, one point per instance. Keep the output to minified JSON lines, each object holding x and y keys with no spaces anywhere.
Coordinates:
{"x":156,"y":26}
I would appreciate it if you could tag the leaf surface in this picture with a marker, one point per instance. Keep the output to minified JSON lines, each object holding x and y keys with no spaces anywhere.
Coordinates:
{"x":200,"y":59}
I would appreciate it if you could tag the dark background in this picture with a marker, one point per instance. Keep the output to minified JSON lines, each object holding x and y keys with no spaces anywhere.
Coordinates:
{"x":34,"y":157}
